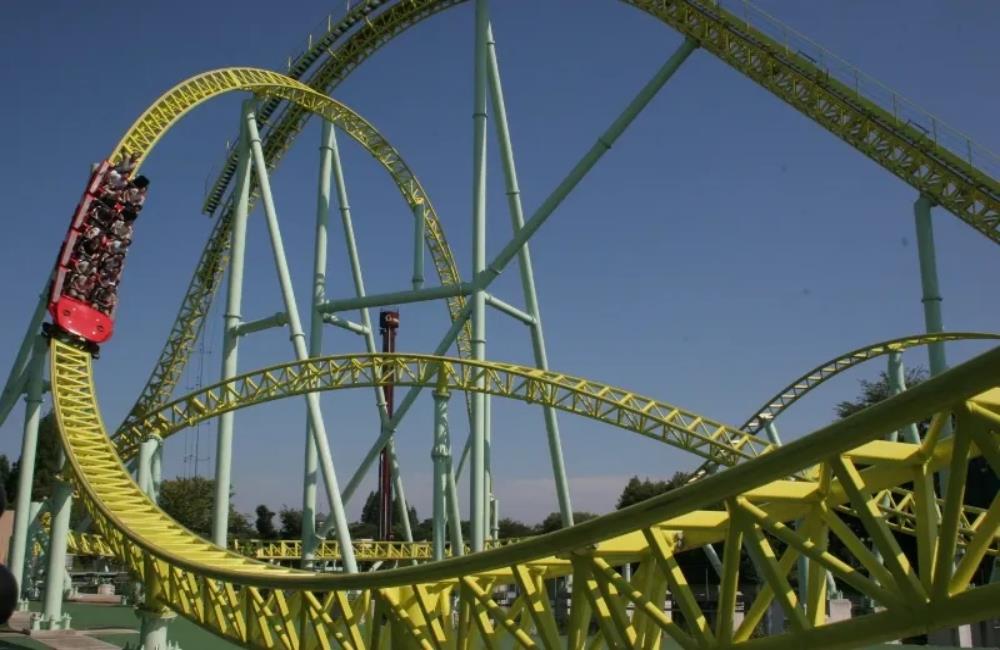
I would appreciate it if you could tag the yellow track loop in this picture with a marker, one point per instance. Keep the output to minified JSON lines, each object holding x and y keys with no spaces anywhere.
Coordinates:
{"x":643,"y":415}
{"x":962,"y":189}
{"x":818,"y":375}
{"x":264,"y":606}
{"x":120,"y":503}
{"x":156,"y":121}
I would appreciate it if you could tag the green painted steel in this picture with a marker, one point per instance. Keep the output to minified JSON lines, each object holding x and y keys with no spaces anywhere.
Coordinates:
{"x":397,"y":297}
{"x":17,"y":378}
{"x":277,"y":319}
{"x":144,"y":473}
{"x":230,"y":338}
{"x":311,"y":463}
{"x":368,"y":333}
{"x":896,"y":373}
{"x":933,"y":321}
{"x":343,"y":323}
{"x":317,"y":425}
{"x":477,"y":430}
{"x":586,"y":163}
{"x":62,"y":504}
{"x":29,"y":447}
{"x":527,"y":280}
{"x":419,"y":229}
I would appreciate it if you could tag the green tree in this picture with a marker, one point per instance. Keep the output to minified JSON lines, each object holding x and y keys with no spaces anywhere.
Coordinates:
{"x":191,"y":501}
{"x":265,"y":523}
{"x":554,"y":521}
{"x":637,"y":490}
{"x":369,"y":513}
{"x":48,"y":454}
{"x":873,"y":392}
{"x":291,"y":523}
{"x":8,"y":479}
{"x":512,"y":528}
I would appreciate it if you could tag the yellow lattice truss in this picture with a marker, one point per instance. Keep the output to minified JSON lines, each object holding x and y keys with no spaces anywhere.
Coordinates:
{"x":747,"y":506}
{"x":842,"y":475}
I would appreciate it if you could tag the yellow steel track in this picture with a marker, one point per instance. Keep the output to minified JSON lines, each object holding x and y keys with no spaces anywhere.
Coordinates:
{"x":263,"y":605}
{"x":845,"y":465}
{"x":957,"y":185}
{"x":830,"y":369}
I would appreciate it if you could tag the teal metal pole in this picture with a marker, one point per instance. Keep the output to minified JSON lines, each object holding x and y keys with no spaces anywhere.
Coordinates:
{"x":772,"y":433}
{"x":511,"y":249}
{"x":278,"y":319}
{"x":230,"y":338}
{"x":311,"y":471}
{"x":487,"y":464}
{"x":527,"y":279}
{"x":157,"y":468}
{"x":477,"y":481}
{"x":509,"y":309}
{"x":896,"y":374}
{"x":454,"y":514}
{"x":603,"y":144}
{"x":369,"y":335}
{"x":19,"y":374}
{"x":440,"y":455}
{"x":343,"y":323}
{"x":419,"y":228}
{"x":929,"y":283}
{"x":62,"y":503}
{"x":29,"y":446}
{"x":144,"y":475}
{"x":398,"y":297}
{"x":495,"y":517}
{"x":301,"y":351}
{"x":404,"y":406}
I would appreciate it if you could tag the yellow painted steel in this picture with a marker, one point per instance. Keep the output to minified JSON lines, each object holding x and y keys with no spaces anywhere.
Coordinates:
{"x":643,"y":415}
{"x":174,"y":104}
{"x":966,"y":191}
{"x":268,"y":606}
{"x":830,"y":369}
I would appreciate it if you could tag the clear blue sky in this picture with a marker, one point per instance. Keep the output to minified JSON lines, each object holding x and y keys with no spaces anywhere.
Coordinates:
{"x":725,"y":245}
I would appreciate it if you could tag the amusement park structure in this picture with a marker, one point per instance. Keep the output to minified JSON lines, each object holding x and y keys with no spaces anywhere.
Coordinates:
{"x":868,"y":482}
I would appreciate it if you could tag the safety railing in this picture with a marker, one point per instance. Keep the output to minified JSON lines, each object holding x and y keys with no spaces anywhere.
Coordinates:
{"x":903,"y":110}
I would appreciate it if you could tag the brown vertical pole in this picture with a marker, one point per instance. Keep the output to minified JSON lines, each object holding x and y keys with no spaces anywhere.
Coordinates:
{"x":388,"y":322}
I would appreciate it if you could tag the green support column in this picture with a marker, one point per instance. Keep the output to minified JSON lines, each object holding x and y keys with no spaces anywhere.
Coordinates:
{"x":487,"y":464}
{"x":477,"y":480}
{"x":441,"y":456}
{"x":17,"y":379}
{"x":896,"y":373}
{"x":317,"y":425}
{"x":586,"y":163}
{"x":419,"y":228}
{"x":157,"y":468}
{"x":52,"y":617}
{"x":230,"y":339}
{"x":29,"y":445}
{"x":387,"y":426}
{"x":144,"y":473}
{"x":309,"y":539}
{"x":527,"y":278}
{"x":929,"y":283}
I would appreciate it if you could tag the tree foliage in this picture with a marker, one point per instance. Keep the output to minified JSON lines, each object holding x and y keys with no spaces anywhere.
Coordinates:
{"x":191,"y":501}
{"x":873,"y":392}
{"x":291,"y":523}
{"x":48,"y":455}
{"x":637,"y":491}
{"x":264,"y":523}
{"x":553,"y":521}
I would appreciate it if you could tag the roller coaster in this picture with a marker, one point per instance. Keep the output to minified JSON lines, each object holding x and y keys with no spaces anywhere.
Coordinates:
{"x":891,"y":494}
